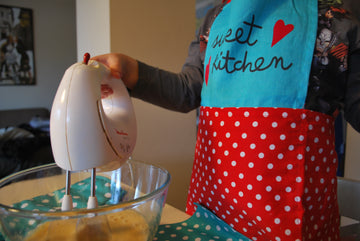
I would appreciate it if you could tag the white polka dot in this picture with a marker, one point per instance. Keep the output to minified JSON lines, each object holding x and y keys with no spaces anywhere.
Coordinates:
{"x":242,"y":154}
{"x":278,"y":178}
{"x":282,"y":137}
{"x":261,"y":155}
{"x":270,"y":166}
{"x":237,"y":123}
{"x":31,"y":222}
{"x":235,"y":145}
{"x":272,"y":147}
{"x":252,"y":146}
{"x":274,"y":124}
{"x":246,"y":114}
{"x":268,"y":208}
{"x":230,"y":114}
{"x":24,"y":205}
{"x":244,"y":135}
{"x":249,"y":187}
{"x":277,"y":220}
{"x":251,"y":165}
{"x":263,"y":136}
{"x":259,"y":178}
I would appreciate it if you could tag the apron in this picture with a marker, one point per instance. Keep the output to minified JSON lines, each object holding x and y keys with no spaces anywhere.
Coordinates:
{"x":263,"y":164}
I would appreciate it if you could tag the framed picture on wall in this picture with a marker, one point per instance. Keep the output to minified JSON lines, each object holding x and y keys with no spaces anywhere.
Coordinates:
{"x":16,"y":46}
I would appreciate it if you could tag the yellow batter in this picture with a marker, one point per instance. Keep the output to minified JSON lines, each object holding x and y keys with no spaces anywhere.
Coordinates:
{"x":127,"y":225}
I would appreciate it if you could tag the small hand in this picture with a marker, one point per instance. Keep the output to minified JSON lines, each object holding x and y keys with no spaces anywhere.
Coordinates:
{"x":121,"y":67}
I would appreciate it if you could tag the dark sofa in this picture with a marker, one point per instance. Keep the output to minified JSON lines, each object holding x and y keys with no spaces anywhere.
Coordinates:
{"x":24,"y":139}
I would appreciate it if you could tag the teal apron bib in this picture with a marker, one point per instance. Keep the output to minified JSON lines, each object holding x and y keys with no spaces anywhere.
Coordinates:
{"x":261,"y":159}
{"x":259,"y":54}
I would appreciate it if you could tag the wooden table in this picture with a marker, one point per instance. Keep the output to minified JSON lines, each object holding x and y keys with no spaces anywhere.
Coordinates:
{"x":171,"y":215}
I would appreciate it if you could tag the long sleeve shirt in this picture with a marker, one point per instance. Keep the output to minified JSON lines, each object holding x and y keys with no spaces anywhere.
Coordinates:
{"x":334,"y":81}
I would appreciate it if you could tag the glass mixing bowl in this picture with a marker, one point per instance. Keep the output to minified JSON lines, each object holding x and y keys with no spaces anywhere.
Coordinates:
{"x":130,"y":201}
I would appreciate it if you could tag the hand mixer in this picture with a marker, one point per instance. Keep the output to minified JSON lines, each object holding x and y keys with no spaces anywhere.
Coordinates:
{"x":92,"y":124}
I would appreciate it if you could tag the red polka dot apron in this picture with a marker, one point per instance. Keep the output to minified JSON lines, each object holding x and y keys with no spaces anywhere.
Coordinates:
{"x":267,"y":167}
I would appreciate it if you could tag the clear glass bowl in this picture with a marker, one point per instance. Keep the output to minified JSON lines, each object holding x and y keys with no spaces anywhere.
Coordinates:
{"x":130,"y":199}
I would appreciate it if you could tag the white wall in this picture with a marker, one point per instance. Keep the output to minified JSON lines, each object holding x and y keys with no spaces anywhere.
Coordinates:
{"x":55,"y":49}
{"x":93,"y":24}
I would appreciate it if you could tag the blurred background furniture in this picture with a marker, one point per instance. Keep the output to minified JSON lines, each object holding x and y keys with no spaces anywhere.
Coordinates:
{"x":349,"y":205}
{"x":24,"y":139}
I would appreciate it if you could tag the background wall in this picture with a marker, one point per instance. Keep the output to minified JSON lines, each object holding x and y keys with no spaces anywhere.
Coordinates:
{"x":55,"y":50}
{"x":156,"y":32}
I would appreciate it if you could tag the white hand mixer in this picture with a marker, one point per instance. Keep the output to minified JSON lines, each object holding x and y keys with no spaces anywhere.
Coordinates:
{"x":92,"y":123}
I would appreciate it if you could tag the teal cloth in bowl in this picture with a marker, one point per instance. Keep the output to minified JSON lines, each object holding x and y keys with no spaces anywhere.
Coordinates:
{"x":51,"y":202}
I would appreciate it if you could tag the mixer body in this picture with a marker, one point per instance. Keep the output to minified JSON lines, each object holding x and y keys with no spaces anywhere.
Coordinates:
{"x":92,"y":122}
